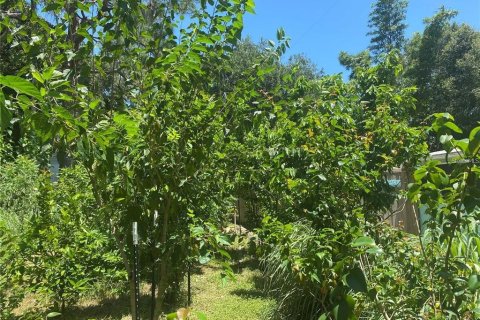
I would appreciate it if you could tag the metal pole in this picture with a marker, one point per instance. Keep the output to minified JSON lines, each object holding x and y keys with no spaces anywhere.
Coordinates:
{"x":189,"y":283}
{"x":152,"y":308}
{"x":189,"y":286}
{"x":135,"y":270}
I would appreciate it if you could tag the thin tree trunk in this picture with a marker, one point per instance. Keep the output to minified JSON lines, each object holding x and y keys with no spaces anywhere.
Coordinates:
{"x":163,"y":272}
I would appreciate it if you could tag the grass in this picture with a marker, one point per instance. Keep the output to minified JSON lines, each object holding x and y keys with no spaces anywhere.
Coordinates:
{"x":242,"y":299}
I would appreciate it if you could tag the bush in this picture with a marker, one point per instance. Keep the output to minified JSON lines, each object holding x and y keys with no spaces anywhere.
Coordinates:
{"x":304,"y":268}
{"x":65,"y":253}
{"x":11,"y":292}
{"x":18,"y":192}
{"x":56,"y":247}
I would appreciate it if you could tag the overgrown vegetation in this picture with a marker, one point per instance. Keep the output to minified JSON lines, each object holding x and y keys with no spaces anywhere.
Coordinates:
{"x":167,"y":126}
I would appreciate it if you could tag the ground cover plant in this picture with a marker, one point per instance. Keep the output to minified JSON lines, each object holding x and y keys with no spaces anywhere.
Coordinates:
{"x":150,"y":123}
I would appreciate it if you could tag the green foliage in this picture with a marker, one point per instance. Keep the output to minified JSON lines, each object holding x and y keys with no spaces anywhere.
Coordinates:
{"x":263,"y":60}
{"x":166,"y":124}
{"x":18,"y":203}
{"x":387,"y":26}
{"x":18,"y":193}
{"x":11,"y":293}
{"x":353,"y":61}
{"x":305,"y":268}
{"x":64,"y":254}
{"x":124,"y":91}
{"x":54,"y":249}
{"x":320,"y":173}
{"x":450,"y":245}
{"x":442,"y":62}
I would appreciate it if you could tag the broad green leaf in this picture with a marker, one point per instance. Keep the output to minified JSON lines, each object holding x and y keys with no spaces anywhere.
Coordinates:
{"x":452,"y":126}
{"x":474,"y":143}
{"x":250,"y":6}
{"x":375,"y":250}
{"x":63,"y":113}
{"x":344,"y":310}
{"x":94,"y":104}
{"x":444,"y":115}
{"x":420,"y":173}
{"x":461,"y":144}
{"x":474,"y":282}
{"x":38,"y":76}
{"x":20,"y":85}
{"x":53,"y":314}
{"x":356,"y":280}
{"x":445,"y":138}
{"x":125,"y":121}
{"x":363,"y":242}
{"x":48,"y":73}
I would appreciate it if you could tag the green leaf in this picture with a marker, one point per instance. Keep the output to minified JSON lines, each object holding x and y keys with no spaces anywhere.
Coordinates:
{"x":20,"y":85}
{"x":375,"y":250}
{"x":445,"y":138}
{"x":126,"y":122}
{"x":53,"y":314}
{"x":172,"y":316}
{"x":204,"y":259}
{"x":363,"y":242}
{"x":344,"y":310}
{"x":420,"y":173}
{"x":201,"y":316}
{"x":474,"y":282}
{"x":38,"y":76}
{"x":250,"y":6}
{"x":474,"y":143}
{"x":62,"y":113}
{"x":452,"y":126}
{"x":461,"y":144}
{"x":5,"y":114}
{"x":356,"y":280}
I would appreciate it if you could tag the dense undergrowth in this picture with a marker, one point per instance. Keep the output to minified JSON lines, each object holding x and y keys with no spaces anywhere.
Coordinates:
{"x":147,"y":129}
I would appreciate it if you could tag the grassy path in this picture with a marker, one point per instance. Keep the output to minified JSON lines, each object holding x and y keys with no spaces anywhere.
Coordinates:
{"x":242,"y":299}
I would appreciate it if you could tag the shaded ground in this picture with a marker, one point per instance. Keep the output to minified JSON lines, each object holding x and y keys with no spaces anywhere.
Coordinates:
{"x":234,"y":300}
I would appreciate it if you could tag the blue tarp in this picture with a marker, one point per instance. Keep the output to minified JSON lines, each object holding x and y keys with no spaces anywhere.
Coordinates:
{"x":394,"y":183}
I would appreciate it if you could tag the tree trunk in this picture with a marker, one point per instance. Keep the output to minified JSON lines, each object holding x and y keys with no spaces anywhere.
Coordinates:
{"x":163,"y":270}
{"x":162,"y":287}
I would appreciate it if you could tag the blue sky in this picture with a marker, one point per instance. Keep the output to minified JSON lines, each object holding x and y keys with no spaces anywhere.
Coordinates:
{"x":322,"y":28}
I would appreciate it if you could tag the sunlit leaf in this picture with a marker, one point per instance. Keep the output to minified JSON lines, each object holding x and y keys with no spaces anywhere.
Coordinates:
{"x":20,"y":85}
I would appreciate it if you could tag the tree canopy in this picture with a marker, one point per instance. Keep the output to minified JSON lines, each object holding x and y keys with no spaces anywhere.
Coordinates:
{"x":442,"y":62}
{"x":387,"y":26}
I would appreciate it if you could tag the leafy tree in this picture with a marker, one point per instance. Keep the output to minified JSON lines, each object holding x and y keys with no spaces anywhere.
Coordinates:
{"x":387,"y":31}
{"x":248,"y":56}
{"x":63,"y":252}
{"x":148,"y":144}
{"x":353,"y":61}
{"x":442,"y":63}
{"x":387,"y":26}
{"x":451,"y":244}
